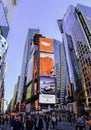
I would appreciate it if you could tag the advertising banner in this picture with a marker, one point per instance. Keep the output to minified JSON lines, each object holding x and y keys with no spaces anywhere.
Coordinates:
{"x":29,"y":92}
{"x":35,"y":67}
{"x":46,"y":45}
{"x":47,"y":85}
{"x":46,"y":64}
{"x":28,"y":106}
{"x":47,"y":99}
{"x":30,"y":70}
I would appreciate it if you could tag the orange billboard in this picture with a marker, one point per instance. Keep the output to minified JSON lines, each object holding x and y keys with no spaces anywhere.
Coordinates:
{"x":46,"y":45}
{"x":46,"y":64}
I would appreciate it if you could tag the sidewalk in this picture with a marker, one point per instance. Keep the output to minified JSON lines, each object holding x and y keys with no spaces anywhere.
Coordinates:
{"x":64,"y":125}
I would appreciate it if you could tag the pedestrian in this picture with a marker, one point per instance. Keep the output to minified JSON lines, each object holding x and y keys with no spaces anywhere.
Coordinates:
{"x":29,"y":123}
{"x":80,"y":123}
{"x":53,"y":121}
{"x":18,"y":124}
{"x":47,"y":121}
{"x":12,"y":122}
{"x":38,"y":123}
{"x":89,"y":123}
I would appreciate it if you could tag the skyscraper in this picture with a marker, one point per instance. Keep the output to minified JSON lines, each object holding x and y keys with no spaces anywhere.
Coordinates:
{"x":6,"y":11}
{"x":61,"y":71}
{"x":76,"y":33}
{"x":26,"y":58}
{"x":4,"y":29}
{"x":9,"y":8}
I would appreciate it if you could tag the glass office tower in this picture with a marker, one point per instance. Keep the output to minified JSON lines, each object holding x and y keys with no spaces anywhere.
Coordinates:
{"x":76,"y":30}
{"x":4,"y":29}
{"x":61,"y":71}
{"x":26,"y":58}
{"x":9,"y":8}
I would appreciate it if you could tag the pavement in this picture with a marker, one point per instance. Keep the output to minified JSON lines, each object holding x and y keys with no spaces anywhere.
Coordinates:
{"x":64,"y":125}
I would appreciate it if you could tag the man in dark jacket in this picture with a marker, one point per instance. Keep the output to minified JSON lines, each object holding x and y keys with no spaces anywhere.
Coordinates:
{"x":29,"y":123}
{"x":18,"y":124}
{"x":38,"y":123}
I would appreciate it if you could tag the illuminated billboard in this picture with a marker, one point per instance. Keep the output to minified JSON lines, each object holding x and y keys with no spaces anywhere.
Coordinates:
{"x":30,"y":70}
{"x":47,"y":85}
{"x":46,"y":45}
{"x":35,"y":74}
{"x":29,"y":92}
{"x":46,"y":64}
{"x":35,"y":68}
{"x":47,"y":99}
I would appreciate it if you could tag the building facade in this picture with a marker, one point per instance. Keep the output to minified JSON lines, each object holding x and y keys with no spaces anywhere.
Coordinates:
{"x":61,"y":71}
{"x":26,"y":58}
{"x":9,"y":8}
{"x":75,"y":28}
{"x":6,"y":12}
{"x":4,"y":29}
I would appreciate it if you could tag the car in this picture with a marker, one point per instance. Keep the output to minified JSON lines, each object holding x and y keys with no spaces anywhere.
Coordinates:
{"x":47,"y":88}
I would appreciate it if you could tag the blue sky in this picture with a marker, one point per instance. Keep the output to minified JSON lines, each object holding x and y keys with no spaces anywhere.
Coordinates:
{"x":42,"y":14}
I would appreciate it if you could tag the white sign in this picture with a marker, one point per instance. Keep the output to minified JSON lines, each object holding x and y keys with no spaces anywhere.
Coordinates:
{"x":47,"y":99}
{"x":28,"y":107}
{"x":3,"y":46}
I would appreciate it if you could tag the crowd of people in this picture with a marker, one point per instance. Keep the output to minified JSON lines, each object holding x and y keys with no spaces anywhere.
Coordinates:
{"x":44,"y":122}
{"x":32,"y":122}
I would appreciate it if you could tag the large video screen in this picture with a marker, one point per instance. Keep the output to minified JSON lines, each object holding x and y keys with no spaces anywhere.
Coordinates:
{"x":46,"y":45}
{"x":30,"y":70}
{"x":29,"y":92}
{"x":46,"y":64}
{"x":47,"y":85}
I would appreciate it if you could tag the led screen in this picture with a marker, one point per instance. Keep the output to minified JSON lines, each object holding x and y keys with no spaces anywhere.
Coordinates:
{"x":46,"y":64}
{"x":29,"y":92}
{"x":46,"y":45}
{"x":30,"y":70}
{"x":47,"y":85}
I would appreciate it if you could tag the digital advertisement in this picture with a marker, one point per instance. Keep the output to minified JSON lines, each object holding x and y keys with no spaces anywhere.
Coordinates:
{"x":47,"y":64}
{"x":46,"y":45}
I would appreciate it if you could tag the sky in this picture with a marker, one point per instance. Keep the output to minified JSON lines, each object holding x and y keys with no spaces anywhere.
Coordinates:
{"x":42,"y":14}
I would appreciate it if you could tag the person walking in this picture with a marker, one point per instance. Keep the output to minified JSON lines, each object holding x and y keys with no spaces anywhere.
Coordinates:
{"x":18,"y":124}
{"x":12,"y":122}
{"x":29,"y":123}
{"x":38,"y":123}
{"x":47,"y":121}
{"x":53,"y":121}
{"x":89,"y":123}
{"x":80,"y":123}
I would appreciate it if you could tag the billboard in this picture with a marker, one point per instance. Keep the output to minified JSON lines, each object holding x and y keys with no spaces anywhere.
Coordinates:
{"x":47,"y":90}
{"x":35,"y":67}
{"x":46,"y":45}
{"x":29,"y":92}
{"x":70,"y":90}
{"x":47,"y":85}
{"x":46,"y":64}
{"x":47,"y":99}
{"x":30,"y":70}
